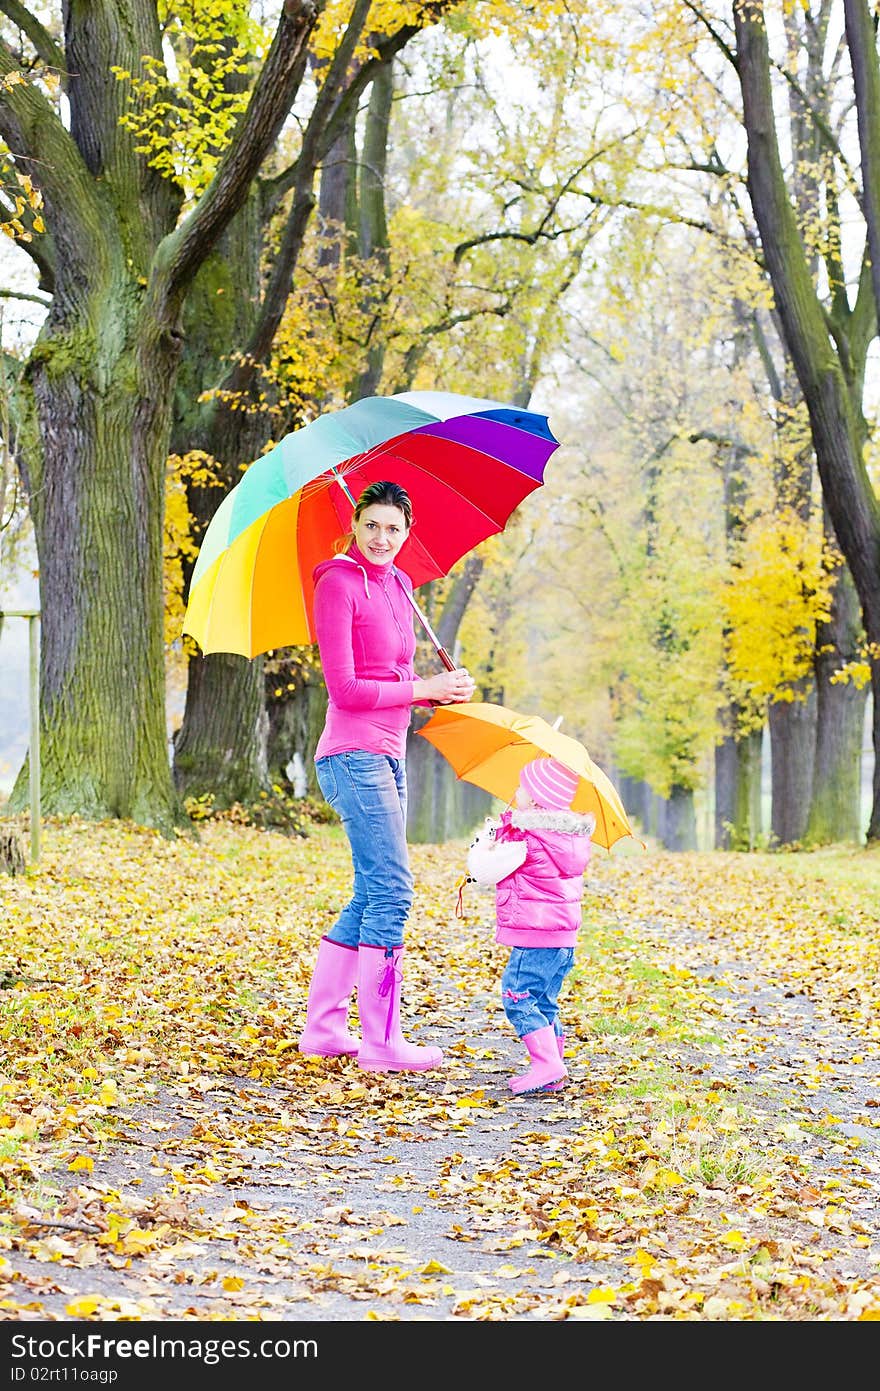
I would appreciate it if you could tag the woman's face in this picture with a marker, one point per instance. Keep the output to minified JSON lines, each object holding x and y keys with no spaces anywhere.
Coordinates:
{"x":380,"y":531}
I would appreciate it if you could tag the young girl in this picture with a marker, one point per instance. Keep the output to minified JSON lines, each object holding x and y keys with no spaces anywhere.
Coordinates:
{"x":537,"y":908}
{"x":366,"y":640}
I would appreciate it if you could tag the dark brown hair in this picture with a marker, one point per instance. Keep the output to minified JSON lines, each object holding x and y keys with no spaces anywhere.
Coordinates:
{"x":382,"y":494}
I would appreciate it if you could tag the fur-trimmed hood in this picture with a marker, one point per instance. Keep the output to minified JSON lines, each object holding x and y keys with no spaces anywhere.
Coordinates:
{"x":573,"y":823}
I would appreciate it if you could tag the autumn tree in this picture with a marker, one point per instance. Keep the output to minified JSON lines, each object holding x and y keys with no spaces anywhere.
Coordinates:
{"x":820,"y":347}
{"x":686,"y":56}
{"x":96,"y":402}
{"x":122,"y":250}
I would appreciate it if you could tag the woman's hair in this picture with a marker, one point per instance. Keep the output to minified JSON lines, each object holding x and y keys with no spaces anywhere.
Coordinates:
{"x":382,"y":494}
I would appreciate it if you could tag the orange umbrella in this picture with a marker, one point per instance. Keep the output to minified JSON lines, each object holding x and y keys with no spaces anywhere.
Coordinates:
{"x":488,"y":744}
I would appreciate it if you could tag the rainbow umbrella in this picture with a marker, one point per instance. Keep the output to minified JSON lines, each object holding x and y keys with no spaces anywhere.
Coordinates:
{"x":466,"y":464}
{"x":487,"y":745}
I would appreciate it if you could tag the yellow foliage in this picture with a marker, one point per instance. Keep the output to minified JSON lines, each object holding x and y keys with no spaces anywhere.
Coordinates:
{"x":385,"y":17}
{"x":183,"y":119}
{"x":778,"y":591}
{"x":198,"y":468}
{"x":859,"y":670}
{"x":25,"y":198}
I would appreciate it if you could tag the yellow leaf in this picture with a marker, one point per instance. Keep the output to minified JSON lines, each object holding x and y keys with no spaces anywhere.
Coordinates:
{"x":435,"y":1268}
{"x":84,"y":1306}
{"x":138,"y":1240}
{"x":735,"y":1240}
{"x":602,"y":1295}
{"x":591,"y":1312}
{"x":82,"y":1162}
{"x":232,"y":1283}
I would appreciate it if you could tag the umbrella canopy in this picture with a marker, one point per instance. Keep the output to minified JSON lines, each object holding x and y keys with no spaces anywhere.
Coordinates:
{"x":466,"y":464}
{"x":488,"y":744}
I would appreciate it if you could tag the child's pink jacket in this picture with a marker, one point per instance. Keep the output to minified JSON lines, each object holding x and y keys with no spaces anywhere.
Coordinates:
{"x":539,"y":904}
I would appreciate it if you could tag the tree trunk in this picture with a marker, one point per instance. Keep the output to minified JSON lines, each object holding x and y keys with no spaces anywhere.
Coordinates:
{"x":636,"y":797}
{"x":95,"y":479}
{"x":296,"y":719}
{"x":222,"y":752}
{"x":836,"y":809}
{"x":374,"y":226}
{"x":678,"y":822}
{"x":223,"y":758}
{"x":835,"y":813}
{"x":792,"y":726}
{"x":738,"y":790}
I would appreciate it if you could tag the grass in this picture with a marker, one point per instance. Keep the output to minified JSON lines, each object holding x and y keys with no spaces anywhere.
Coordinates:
{"x":850,"y":867}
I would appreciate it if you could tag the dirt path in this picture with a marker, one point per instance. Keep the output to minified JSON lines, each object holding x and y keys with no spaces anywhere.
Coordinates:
{"x":330,"y":1194}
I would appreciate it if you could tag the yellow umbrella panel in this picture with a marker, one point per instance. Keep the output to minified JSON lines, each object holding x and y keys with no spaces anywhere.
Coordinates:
{"x":488,"y":745}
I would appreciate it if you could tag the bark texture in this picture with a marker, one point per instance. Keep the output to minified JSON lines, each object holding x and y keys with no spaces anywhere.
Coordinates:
{"x":793,"y":728}
{"x":738,"y":791}
{"x":835,"y":810}
{"x":677,"y":821}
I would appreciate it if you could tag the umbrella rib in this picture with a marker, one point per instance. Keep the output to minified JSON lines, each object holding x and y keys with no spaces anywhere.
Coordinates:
{"x":386,"y":447}
{"x":414,"y":464}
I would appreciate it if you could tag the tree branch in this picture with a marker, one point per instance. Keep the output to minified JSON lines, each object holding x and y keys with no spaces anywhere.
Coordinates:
{"x":862,"y":43}
{"x":284,"y":263}
{"x":464,"y":582}
{"x":40,"y":146}
{"x":20,"y":294}
{"x":334,"y":104}
{"x":47,"y":49}
{"x":182,"y":252}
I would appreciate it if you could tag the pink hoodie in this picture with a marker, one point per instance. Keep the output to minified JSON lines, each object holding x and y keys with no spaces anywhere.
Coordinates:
{"x":366,"y":639}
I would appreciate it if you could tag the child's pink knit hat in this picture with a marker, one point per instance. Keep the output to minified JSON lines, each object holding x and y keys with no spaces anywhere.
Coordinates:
{"x":549,"y":783}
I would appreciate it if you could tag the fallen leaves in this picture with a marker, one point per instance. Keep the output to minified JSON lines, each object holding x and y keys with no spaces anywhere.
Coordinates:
{"x":713,"y":1155}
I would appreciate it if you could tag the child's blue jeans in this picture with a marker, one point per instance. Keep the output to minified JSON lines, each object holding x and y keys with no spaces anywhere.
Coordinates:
{"x":368,"y":792}
{"x":530,"y":985}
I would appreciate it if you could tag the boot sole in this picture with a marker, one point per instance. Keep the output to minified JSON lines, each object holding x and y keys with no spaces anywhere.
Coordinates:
{"x":536,"y":1086}
{"x":398,"y":1067}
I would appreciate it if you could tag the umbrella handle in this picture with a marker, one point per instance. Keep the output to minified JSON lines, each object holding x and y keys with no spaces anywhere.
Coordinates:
{"x":441,"y":650}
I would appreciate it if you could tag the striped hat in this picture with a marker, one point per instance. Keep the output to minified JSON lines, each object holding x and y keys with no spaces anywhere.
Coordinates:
{"x":549,"y":783}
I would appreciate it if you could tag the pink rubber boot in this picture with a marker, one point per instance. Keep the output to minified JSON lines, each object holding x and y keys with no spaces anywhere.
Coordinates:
{"x":384,"y":1049}
{"x":557,"y":1086}
{"x":547,"y":1065}
{"x":333,"y":980}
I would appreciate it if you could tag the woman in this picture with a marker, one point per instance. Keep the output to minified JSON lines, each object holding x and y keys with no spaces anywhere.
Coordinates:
{"x":363,"y":620}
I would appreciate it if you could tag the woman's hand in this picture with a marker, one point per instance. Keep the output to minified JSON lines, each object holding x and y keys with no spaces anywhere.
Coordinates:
{"x":447,"y":687}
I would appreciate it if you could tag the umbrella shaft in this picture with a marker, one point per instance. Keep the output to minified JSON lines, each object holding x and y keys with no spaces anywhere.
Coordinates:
{"x":441,"y":650}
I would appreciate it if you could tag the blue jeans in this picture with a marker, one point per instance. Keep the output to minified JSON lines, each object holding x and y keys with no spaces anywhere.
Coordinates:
{"x":530,"y":985}
{"x":368,"y":793}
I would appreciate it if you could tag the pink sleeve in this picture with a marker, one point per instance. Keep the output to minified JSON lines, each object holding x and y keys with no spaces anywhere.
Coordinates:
{"x":333,"y":625}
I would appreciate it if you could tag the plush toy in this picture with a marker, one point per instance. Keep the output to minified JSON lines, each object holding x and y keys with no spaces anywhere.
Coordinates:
{"x":490,"y":860}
